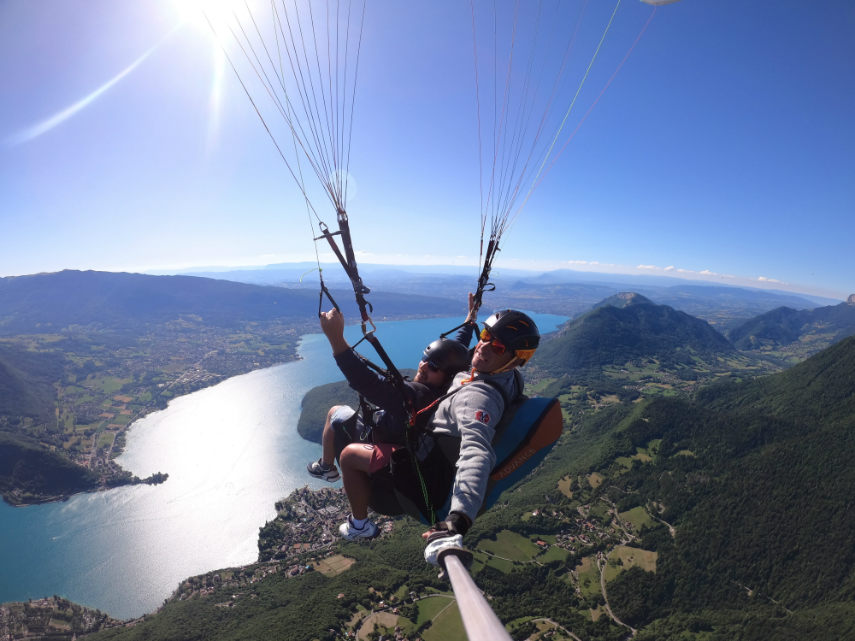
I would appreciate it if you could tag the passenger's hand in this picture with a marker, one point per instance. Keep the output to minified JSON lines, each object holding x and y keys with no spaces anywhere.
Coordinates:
{"x":332,"y":325}
{"x":332,"y":322}
{"x":472,"y":316}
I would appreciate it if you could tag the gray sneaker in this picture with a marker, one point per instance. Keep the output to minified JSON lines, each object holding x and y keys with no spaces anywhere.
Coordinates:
{"x":321,"y":471}
{"x":350,"y":532}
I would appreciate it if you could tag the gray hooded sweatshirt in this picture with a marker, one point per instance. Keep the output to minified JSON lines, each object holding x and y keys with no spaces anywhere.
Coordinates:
{"x":472,"y":415}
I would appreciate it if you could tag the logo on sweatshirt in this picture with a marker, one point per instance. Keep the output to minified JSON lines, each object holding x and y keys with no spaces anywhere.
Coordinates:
{"x":483,"y":417}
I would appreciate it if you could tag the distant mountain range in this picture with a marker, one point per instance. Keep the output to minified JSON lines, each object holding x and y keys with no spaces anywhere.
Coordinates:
{"x":49,"y":302}
{"x":565,"y":291}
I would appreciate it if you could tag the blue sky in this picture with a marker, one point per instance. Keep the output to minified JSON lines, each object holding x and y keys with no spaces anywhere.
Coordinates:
{"x":722,"y":150}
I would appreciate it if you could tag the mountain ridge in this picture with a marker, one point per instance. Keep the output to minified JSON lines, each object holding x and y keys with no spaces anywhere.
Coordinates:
{"x":46,"y":302}
{"x":628,"y":327}
{"x":784,"y":326}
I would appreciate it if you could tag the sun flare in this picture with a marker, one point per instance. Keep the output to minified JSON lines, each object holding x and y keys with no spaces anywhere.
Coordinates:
{"x":204,"y":15}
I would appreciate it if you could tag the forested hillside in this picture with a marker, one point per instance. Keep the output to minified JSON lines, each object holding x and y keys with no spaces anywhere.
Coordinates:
{"x":27,"y":382}
{"x":29,"y":471}
{"x":318,"y":401}
{"x":756,"y":479}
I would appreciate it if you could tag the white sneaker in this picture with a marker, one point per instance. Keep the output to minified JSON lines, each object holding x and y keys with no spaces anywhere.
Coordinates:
{"x":350,"y":532}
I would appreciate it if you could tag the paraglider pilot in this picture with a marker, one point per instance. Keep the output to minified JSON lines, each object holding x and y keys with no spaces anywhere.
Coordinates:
{"x":507,"y":341}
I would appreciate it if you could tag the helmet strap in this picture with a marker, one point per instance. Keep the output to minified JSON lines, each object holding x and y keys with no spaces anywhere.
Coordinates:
{"x":511,"y":364}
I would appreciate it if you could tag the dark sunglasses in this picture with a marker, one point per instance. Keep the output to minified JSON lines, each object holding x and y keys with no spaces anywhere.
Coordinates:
{"x":431,"y":365}
{"x":495,"y":343}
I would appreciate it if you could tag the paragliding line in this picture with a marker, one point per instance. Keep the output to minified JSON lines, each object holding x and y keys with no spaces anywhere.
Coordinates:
{"x":572,"y":104}
{"x":596,"y":100}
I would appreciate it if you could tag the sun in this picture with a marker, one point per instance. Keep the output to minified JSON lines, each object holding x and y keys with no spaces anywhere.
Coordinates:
{"x":203,"y":15}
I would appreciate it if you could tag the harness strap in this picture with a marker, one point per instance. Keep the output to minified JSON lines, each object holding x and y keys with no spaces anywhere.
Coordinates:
{"x":348,"y":264}
{"x":484,"y":284}
{"x":347,"y":258}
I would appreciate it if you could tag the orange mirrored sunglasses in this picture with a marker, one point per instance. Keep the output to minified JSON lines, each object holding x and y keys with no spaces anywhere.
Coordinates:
{"x":497,"y":345}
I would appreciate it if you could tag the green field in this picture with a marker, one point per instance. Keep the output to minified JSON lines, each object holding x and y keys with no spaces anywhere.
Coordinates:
{"x":432,"y":606}
{"x":588,"y":576}
{"x":638,"y":516}
{"x":510,"y":546}
{"x":497,"y":563}
{"x":554,"y":553}
{"x":622,"y":558}
{"x":447,"y":624}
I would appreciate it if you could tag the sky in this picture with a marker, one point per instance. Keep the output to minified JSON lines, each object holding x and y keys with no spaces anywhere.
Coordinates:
{"x":721,"y":148}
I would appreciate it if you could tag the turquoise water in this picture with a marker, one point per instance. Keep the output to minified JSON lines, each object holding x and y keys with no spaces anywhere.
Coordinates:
{"x":231,"y":451}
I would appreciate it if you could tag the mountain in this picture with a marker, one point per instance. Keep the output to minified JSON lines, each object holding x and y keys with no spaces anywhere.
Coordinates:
{"x":629,"y":328}
{"x":43,"y":303}
{"x":784,"y":326}
{"x":48,"y":302}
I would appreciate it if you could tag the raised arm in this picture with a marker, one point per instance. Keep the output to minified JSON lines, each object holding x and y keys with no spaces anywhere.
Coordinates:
{"x":470,"y":325}
{"x":372,"y":385}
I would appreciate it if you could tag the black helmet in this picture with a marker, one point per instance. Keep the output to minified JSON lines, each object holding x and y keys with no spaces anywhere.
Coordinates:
{"x":447,"y":355}
{"x":516,"y":330}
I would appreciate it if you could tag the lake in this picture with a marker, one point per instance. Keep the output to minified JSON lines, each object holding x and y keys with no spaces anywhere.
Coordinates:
{"x":231,"y":451}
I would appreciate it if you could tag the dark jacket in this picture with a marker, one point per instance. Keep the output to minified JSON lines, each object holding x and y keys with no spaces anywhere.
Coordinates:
{"x":390,"y":419}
